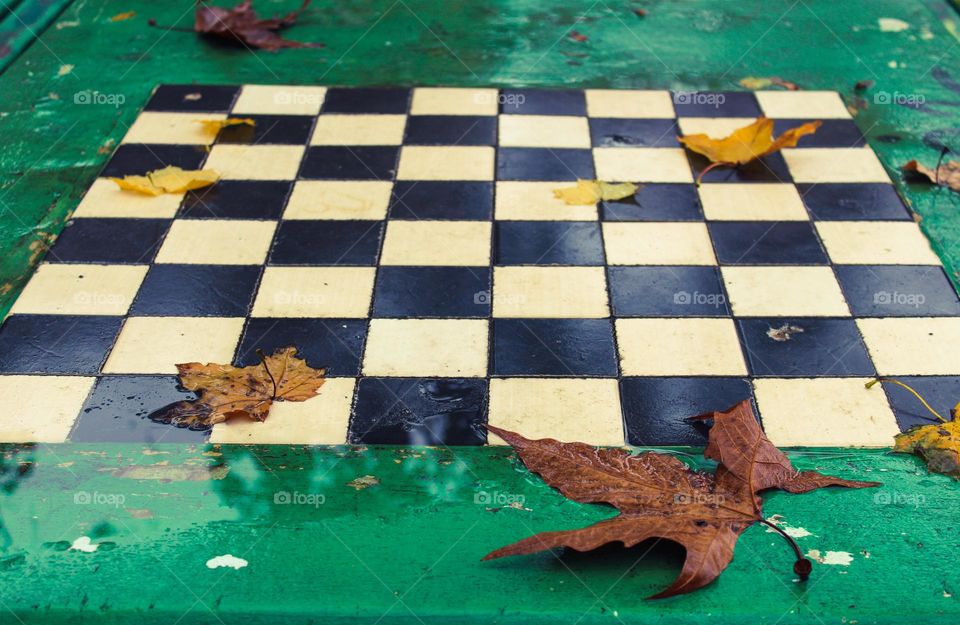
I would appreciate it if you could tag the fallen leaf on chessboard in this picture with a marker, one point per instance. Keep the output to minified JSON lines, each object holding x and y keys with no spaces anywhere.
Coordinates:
{"x":589,"y":192}
{"x":214,"y":126}
{"x":946,"y":175}
{"x":938,"y":443}
{"x":122,"y":17}
{"x":745,"y":144}
{"x":659,"y":496}
{"x":226,"y":392}
{"x":242,"y":24}
{"x":168,"y":180}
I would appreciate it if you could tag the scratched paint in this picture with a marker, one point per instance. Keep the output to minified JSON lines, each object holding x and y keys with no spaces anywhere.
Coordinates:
{"x":832,"y":558}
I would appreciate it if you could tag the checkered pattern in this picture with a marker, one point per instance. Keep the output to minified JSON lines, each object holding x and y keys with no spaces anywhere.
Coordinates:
{"x":410,"y":242}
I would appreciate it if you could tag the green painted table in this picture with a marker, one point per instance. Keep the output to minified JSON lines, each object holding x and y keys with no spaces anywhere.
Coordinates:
{"x":408,"y":549}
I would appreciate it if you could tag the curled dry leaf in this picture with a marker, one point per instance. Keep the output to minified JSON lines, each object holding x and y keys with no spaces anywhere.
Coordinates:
{"x":659,"y":496}
{"x":938,"y":444}
{"x":225,"y":392}
{"x":242,"y":24}
{"x":745,"y":144}
{"x":784,"y":332}
{"x":589,"y":192}
{"x":168,"y":180}
{"x":946,"y":175}
{"x":214,"y":126}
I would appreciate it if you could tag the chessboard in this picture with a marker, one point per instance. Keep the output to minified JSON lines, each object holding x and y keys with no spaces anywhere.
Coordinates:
{"x":409,"y":241}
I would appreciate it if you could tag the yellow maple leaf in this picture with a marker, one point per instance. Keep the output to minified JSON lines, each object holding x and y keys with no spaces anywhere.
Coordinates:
{"x":589,"y":192}
{"x":213,"y":126}
{"x":170,"y":179}
{"x":938,"y":444}
{"x":226,"y":392}
{"x":745,"y":144}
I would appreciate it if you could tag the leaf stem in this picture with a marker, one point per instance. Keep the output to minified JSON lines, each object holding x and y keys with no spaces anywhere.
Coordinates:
{"x":913,"y":392}
{"x":710,"y":167}
{"x":802,"y":566}
{"x":263,"y":360}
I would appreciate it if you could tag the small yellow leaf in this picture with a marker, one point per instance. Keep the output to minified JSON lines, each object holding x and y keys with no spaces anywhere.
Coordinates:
{"x":754,"y":83}
{"x":119,"y":17}
{"x":589,"y":192}
{"x":140,"y":184}
{"x":616,"y":190}
{"x":213,"y":126}
{"x":168,"y":180}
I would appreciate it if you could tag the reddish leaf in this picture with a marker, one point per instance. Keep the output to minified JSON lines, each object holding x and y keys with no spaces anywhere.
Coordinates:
{"x":242,"y":24}
{"x":659,"y":496}
{"x":577,"y":36}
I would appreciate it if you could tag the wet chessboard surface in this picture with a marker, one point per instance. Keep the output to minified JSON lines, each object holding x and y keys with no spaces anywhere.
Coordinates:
{"x":409,"y":241}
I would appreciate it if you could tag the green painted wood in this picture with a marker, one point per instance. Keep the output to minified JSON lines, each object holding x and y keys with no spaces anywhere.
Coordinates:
{"x":21,"y":22}
{"x":416,"y":539}
{"x":53,"y":147}
{"x":408,"y":549}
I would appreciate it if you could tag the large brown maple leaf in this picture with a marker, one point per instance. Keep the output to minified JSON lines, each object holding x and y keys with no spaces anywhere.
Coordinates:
{"x":225,"y":392}
{"x":659,"y":496}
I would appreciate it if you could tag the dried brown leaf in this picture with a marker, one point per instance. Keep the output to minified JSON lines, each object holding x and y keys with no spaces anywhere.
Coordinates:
{"x":242,"y":24}
{"x":659,"y":496}
{"x":225,"y":392}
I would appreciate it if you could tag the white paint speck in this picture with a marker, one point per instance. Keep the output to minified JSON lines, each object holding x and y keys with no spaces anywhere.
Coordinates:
{"x":84,"y":544}
{"x":792,"y":532}
{"x":892,"y":25}
{"x":226,"y":560}
{"x":841,"y":558}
